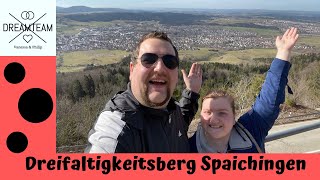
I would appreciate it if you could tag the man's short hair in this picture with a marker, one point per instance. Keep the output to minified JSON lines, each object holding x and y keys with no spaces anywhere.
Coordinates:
{"x":156,"y":35}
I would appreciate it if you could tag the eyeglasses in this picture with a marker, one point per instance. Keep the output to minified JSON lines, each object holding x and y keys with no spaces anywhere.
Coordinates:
{"x":170,"y":61}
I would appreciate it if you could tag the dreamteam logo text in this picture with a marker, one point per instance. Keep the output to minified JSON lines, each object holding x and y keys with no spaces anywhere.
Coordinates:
{"x":29,"y":26}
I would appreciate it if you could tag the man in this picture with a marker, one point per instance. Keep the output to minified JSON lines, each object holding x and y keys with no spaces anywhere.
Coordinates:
{"x":145,"y":117}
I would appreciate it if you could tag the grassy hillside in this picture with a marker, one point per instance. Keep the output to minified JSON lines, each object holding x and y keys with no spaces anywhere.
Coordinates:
{"x":77,"y":60}
{"x":310,"y":40}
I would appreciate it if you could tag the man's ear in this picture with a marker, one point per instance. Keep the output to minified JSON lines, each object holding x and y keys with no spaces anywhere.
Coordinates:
{"x":131,"y":66}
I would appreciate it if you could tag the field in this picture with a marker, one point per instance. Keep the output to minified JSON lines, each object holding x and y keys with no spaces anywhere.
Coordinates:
{"x":198,"y":55}
{"x":232,"y":57}
{"x":261,"y":32}
{"x":77,"y":60}
{"x":310,"y":40}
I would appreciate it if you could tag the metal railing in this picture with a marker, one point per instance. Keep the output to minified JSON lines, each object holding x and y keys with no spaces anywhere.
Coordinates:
{"x":292,"y":131}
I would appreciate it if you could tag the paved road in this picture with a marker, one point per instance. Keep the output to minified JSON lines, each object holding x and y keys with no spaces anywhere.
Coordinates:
{"x":301,"y":143}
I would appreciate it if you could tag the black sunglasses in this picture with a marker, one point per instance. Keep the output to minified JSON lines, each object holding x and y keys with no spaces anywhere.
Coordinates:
{"x":170,"y":61}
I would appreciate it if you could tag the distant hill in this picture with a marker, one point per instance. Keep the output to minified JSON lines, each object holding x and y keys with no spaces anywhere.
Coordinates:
{"x":162,"y":17}
{"x":309,"y":16}
{"x":85,"y":9}
{"x":302,"y":16}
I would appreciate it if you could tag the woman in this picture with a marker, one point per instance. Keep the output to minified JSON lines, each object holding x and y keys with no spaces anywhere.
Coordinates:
{"x":220,"y":133}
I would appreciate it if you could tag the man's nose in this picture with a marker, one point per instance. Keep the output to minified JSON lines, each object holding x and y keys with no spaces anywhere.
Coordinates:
{"x":159,"y":65}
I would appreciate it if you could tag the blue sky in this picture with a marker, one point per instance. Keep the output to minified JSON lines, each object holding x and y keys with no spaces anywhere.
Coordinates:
{"x":305,"y":5}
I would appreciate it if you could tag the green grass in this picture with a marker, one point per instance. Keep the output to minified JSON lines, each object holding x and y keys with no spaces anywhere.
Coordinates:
{"x":77,"y":60}
{"x":101,"y":57}
{"x":244,"y":56}
{"x":250,"y":54}
{"x":261,"y":32}
{"x":68,"y":30}
{"x":70,"y":69}
{"x":310,"y":40}
{"x":232,"y":57}
{"x":224,"y":21}
{"x":227,"y":58}
{"x":197,"y":54}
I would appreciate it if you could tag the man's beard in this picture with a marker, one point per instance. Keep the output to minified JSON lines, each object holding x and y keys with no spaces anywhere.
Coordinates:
{"x":147,"y":100}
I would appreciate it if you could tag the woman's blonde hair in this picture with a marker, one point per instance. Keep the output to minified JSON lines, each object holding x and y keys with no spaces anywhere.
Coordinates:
{"x":220,"y":93}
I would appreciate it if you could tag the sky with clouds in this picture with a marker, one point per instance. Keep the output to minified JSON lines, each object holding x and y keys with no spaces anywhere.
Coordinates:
{"x":302,"y":5}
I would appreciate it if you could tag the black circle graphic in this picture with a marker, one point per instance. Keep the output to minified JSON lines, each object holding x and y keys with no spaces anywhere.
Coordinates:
{"x":14,"y":73}
{"x":17,"y":142}
{"x":35,"y":105}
